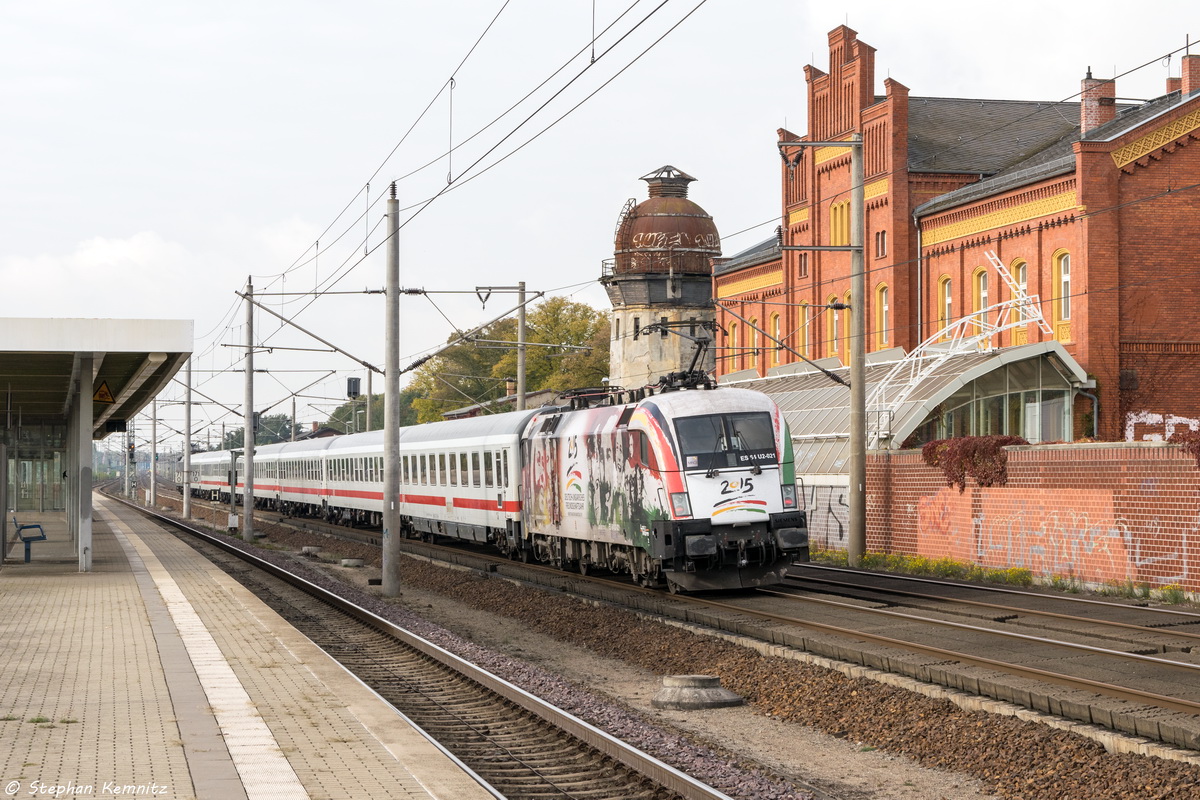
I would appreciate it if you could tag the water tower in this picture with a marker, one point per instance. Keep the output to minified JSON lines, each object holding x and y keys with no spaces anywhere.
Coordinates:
{"x":661,"y":272}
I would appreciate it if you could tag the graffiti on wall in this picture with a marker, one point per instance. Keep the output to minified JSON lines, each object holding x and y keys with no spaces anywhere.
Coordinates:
{"x":1161,"y":426}
{"x":828,"y":516}
{"x":1081,"y":534}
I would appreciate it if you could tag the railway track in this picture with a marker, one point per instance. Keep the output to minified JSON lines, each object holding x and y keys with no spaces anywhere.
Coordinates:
{"x":1127,"y":668}
{"x":521,"y":746}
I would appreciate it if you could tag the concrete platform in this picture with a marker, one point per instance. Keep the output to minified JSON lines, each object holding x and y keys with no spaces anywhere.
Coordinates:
{"x":157,"y":675}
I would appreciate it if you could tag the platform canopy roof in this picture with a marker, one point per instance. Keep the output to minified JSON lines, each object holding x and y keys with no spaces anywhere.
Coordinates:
{"x":132,"y":361}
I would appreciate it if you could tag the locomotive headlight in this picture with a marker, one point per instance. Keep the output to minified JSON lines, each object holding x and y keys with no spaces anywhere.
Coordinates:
{"x":680,"y":505}
{"x":789,"y":495}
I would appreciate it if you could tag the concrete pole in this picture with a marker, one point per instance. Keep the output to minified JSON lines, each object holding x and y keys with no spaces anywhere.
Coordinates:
{"x":856,"y":546}
{"x":187,"y":444}
{"x":72,"y":473}
{"x":369,"y":398}
{"x":83,"y":461}
{"x":293,"y":436}
{"x":4,"y":500}
{"x":153,"y":452}
{"x":126,"y":459}
{"x":248,"y":422}
{"x":521,"y":347}
{"x":391,"y":405}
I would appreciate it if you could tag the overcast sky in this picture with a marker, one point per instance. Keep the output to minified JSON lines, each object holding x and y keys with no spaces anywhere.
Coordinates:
{"x":156,"y":154}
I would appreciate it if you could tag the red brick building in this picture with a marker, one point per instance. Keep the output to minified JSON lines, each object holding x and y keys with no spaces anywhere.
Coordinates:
{"x":1092,"y":206}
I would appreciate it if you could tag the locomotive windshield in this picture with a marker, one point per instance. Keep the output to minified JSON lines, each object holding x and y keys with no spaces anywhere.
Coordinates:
{"x":726,"y":440}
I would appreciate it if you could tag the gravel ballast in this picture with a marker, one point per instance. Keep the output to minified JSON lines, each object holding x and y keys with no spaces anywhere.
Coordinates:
{"x":1010,"y":757}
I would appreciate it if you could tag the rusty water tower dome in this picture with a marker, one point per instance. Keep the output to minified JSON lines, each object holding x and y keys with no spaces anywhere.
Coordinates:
{"x":667,"y":233}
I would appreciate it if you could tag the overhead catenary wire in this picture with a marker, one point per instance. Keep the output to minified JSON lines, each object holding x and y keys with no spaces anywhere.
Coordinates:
{"x":348,"y":267}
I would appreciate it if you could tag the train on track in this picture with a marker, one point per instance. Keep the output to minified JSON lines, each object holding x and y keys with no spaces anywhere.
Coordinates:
{"x":694,"y":488}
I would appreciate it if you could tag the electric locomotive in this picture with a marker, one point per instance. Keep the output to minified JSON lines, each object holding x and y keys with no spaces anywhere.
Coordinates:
{"x":693,"y":487}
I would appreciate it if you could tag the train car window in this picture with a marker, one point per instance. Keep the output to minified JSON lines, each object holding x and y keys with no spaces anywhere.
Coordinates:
{"x":550,"y":424}
{"x":424,"y":470}
{"x":489,"y":478}
{"x":502,"y":468}
{"x":454,"y":469}
{"x":464,"y":469}
{"x":442,"y":467}
{"x":404,"y":469}
{"x":475,"y":469}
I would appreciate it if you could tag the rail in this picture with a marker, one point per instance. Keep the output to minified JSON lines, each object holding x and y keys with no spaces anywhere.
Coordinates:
{"x":662,"y":774}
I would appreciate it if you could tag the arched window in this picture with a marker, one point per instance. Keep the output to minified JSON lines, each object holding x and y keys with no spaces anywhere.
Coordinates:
{"x":883,"y":317}
{"x":804,"y":329}
{"x":1062,"y":295}
{"x":777,"y":333}
{"x":1063,"y":282}
{"x":945,"y":303}
{"x":752,"y":332}
{"x":734,"y":353}
{"x":831,"y":334}
{"x":839,"y":223}
{"x":1020,"y":273}
{"x":979,"y":296}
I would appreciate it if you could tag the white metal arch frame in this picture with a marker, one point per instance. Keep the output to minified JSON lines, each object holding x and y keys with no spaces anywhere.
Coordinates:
{"x":970,"y":333}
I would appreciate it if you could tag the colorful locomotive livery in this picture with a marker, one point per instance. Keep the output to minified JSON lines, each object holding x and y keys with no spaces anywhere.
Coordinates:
{"x":694,"y":488}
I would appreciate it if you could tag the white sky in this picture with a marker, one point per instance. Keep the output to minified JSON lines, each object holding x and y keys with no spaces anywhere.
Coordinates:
{"x":155,"y":154}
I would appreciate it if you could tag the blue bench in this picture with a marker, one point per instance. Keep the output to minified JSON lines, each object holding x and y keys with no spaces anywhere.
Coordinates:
{"x":28,"y":539}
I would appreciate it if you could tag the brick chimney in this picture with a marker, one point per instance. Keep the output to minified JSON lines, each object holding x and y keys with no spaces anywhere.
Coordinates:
{"x":1174,"y":84}
{"x":1191,"y":74}
{"x":1098,"y":102}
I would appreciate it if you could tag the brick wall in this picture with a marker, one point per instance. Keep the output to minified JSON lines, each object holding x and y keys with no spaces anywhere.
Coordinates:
{"x":1099,"y":512}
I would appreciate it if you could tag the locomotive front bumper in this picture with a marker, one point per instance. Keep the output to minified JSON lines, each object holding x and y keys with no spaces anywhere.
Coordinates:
{"x":701,"y":555}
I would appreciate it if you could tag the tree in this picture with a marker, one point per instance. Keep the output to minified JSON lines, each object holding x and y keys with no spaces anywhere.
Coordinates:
{"x":562,"y":321}
{"x":340,"y":419}
{"x":272,"y":428}
{"x":476,"y":372}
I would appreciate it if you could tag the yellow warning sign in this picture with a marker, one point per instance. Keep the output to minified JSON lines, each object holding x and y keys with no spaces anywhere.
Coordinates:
{"x":103,"y":395}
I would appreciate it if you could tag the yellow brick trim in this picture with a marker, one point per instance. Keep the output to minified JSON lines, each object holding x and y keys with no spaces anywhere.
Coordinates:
{"x":998,"y":219}
{"x":873,"y":190}
{"x":824,"y":154}
{"x":750,"y":284}
{"x":799,"y":215}
{"x":1156,"y":139}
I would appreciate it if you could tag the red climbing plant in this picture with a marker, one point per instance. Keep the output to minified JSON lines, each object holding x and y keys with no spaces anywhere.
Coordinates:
{"x":981,"y":457}
{"x":1189,"y":441}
